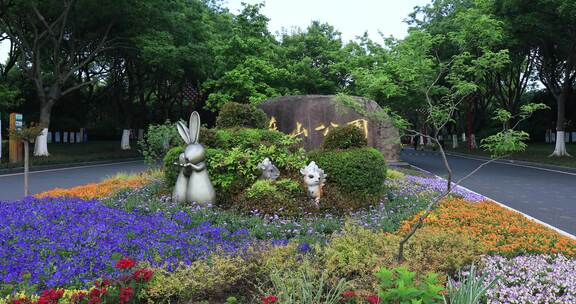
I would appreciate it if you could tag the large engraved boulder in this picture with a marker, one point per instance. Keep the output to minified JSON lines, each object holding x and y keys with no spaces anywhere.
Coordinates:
{"x":312,"y":116}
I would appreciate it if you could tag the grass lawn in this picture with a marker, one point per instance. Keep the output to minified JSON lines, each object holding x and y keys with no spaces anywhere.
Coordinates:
{"x":536,"y":152}
{"x":74,"y":153}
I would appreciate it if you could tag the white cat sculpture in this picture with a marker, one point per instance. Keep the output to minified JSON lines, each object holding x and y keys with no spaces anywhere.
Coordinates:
{"x":314,"y":178}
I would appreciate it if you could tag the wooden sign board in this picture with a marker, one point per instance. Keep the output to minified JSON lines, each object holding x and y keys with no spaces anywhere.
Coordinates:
{"x":15,"y":145}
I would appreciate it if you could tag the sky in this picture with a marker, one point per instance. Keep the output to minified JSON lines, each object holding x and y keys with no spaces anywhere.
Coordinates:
{"x":350,"y":17}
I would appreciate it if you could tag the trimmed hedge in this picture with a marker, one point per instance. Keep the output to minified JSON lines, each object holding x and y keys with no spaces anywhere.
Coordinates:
{"x":235,"y":114}
{"x":360,"y":170}
{"x":345,"y":137}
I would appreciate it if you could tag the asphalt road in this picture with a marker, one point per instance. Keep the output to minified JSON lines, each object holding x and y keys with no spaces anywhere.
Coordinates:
{"x":545,"y":193}
{"x":12,"y":185}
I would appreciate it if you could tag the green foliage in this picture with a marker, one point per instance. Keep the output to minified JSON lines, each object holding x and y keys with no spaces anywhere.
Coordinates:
{"x":171,"y":170}
{"x":282,"y":197}
{"x":356,"y":253}
{"x":28,"y":134}
{"x":394,"y":174}
{"x":470,"y":288}
{"x":157,"y":140}
{"x":360,"y":170}
{"x":236,"y":115}
{"x":300,"y":287}
{"x":9,"y":95}
{"x":344,"y":137}
{"x":510,"y":140}
{"x":400,"y":286}
{"x":505,"y":142}
{"x":219,"y":275}
{"x":239,"y":165}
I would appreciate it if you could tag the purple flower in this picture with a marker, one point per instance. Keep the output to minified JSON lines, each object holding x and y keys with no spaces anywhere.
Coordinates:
{"x":71,"y":242}
{"x":304,"y":248}
{"x":531,"y":279}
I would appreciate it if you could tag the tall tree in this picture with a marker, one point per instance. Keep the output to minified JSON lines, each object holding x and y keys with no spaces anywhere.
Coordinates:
{"x":549,"y":27}
{"x":56,"y":39}
{"x":246,"y":62}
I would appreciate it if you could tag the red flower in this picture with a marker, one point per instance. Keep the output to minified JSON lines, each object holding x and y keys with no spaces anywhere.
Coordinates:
{"x":373,"y":299}
{"x":78,"y":297}
{"x":125,"y":263}
{"x":125,"y":294}
{"x":50,"y":296}
{"x":348,"y":294}
{"x":269,"y":299}
{"x":142,"y":275}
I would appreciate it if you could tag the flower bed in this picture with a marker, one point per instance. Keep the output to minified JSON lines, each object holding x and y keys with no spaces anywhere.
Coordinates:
{"x":501,"y":230}
{"x":96,"y":190}
{"x":70,"y":242}
{"x":531,"y":279}
{"x":66,"y":241}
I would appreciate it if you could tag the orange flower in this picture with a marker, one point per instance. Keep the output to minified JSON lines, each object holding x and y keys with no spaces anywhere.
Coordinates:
{"x":96,"y":190}
{"x":501,"y":230}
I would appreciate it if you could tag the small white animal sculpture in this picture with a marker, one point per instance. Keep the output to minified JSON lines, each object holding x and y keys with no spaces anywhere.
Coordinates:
{"x":269,"y":171}
{"x":314,"y":178}
{"x":193,"y":183}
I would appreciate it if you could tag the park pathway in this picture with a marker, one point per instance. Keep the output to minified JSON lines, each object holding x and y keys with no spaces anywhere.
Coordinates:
{"x":11,"y":185}
{"x":545,"y":193}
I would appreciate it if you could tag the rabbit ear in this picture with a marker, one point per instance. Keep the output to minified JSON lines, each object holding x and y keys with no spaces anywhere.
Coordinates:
{"x":183,"y":131}
{"x":194,"y":127}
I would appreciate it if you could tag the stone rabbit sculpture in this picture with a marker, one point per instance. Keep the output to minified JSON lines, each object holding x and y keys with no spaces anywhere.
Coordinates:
{"x":269,"y":171}
{"x":193,"y":183}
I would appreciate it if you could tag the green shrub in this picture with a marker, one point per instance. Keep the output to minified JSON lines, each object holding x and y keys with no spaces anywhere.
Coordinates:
{"x":209,"y":138}
{"x":246,"y":138}
{"x":356,"y":253}
{"x":282,"y":197}
{"x":170,"y":169}
{"x":214,"y":279}
{"x":344,"y":137}
{"x":401,"y":286}
{"x":235,"y":114}
{"x":393,"y":174}
{"x":157,"y":140}
{"x":361,"y":170}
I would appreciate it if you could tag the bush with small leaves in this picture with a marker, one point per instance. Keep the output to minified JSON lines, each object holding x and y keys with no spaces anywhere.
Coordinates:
{"x":157,"y":140}
{"x":360,"y":170}
{"x":282,"y":197}
{"x":237,"y":115}
{"x":345,"y":137}
{"x":171,"y":170}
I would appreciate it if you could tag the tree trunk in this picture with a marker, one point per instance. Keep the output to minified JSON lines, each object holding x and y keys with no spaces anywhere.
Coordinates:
{"x":41,"y":145}
{"x":473,"y":145}
{"x":26,"y":161}
{"x":560,"y":148}
{"x":454,"y":141}
{"x":125,"y":142}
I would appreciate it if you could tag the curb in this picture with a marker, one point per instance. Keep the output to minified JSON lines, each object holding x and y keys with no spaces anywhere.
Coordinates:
{"x":514,"y":162}
{"x":67,"y":165}
{"x":558,"y":230}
